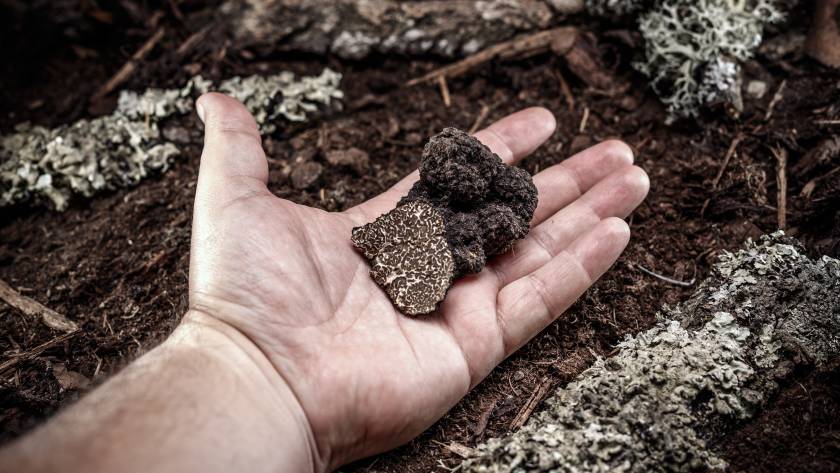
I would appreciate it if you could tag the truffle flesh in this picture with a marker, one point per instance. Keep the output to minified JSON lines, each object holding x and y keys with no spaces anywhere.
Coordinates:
{"x":467,"y":207}
{"x":409,"y":256}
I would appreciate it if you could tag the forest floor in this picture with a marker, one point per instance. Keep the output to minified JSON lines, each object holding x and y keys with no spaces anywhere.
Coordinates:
{"x":117,"y":264}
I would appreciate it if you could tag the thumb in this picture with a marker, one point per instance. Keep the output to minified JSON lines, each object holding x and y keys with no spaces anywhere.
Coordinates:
{"x":233,"y":163}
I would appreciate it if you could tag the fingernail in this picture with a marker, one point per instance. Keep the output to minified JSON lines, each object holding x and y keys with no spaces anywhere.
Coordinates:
{"x":200,"y":111}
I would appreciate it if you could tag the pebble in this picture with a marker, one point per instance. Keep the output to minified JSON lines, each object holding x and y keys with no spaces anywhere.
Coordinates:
{"x":756,"y":89}
{"x":305,"y":174}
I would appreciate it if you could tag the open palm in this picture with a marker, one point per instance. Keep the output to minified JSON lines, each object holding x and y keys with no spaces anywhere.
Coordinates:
{"x":366,"y":377}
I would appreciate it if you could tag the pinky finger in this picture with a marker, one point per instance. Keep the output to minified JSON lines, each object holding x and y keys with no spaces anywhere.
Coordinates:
{"x":528,"y":304}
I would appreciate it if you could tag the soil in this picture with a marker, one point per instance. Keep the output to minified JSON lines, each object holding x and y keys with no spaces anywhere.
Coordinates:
{"x":117,"y":264}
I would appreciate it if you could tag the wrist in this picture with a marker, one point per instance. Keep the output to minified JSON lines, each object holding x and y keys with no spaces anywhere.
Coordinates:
{"x":253,"y":392}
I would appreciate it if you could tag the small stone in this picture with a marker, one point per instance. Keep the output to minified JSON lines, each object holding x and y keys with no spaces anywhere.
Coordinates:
{"x":177,"y":134}
{"x":351,"y":157}
{"x":756,"y":89}
{"x":68,"y":379}
{"x":579,"y":143}
{"x":305,"y":174}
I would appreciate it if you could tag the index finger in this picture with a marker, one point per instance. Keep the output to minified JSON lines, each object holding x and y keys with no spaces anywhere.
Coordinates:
{"x":512,"y":138}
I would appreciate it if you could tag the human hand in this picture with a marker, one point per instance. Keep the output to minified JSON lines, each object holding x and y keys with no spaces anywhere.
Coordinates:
{"x":284,"y":283}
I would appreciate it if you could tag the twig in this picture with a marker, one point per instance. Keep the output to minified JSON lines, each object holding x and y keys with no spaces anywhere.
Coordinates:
{"x":128,"y":68}
{"x":808,"y":188}
{"x":444,"y":91}
{"x":781,"y":184}
{"x":567,"y":92}
{"x":457,"y":448}
{"x":176,"y":11}
{"x":33,"y":308}
{"x":777,"y":97}
{"x":481,"y":425}
{"x":584,"y":119}
{"x":190,"y":42}
{"x":675,"y":282}
{"x":733,"y":146}
{"x":827,"y":122}
{"x":558,"y":39}
{"x":29,"y":354}
{"x":479,"y":120}
{"x":526,"y":411}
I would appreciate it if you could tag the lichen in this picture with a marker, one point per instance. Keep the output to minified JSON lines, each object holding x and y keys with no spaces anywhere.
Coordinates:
{"x":283,"y":95}
{"x":709,"y":363}
{"x":119,"y":150}
{"x":693,"y":49}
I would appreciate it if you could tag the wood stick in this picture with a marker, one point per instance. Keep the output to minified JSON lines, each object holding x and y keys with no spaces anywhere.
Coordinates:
{"x":567,"y":92}
{"x":781,"y":185}
{"x":673,"y":281}
{"x":539,"y":393}
{"x":33,"y":308}
{"x":481,"y":425}
{"x":444,"y":91}
{"x":479,"y":120}
{"x":457,"y":448}
{"x":584,"y":120}
{"x":128,"y":68}
{"x":190,"y":42}
{"x":559,"y":40}
{"x":728,"y":157}
{"x":29,"y":354}
{"x":777,"y":97}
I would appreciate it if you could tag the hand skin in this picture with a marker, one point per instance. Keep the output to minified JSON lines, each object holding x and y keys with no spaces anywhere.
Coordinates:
{"x":291,"y":358}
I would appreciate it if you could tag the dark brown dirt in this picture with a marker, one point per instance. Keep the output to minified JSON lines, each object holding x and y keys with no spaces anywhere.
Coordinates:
{"x":118,"y":264}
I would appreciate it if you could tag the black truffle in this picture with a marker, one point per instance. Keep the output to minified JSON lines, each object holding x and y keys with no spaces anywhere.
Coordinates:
{"x":486,"y":204}
{"x":467,"y":207}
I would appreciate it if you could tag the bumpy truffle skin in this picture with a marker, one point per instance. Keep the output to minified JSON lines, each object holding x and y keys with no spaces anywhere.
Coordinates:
{"x":467,"y":201}
{"x":515,"y":187}
{"x":451,"y":164}
{"x":458,"y":166}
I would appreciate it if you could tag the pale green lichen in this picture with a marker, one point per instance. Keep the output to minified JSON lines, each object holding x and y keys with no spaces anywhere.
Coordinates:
{"x":693,"y":49}
{"x":283,"y":95}
{"x":709,"y":363}
{"x":120,"y":149}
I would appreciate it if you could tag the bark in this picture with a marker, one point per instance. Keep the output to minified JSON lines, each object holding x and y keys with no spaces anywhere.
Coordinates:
{"x":353,"y":29}
{"x":141,"y":138}
{"x":678,"y":388}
